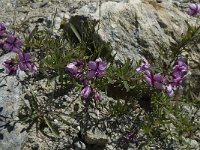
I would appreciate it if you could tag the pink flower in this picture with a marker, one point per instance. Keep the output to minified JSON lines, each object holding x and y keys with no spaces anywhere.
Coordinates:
{"x":76,"y":69}
{"x":156,"y":80}
{"x":25,"y":62}
{"x":149,"y":77}
{"x":96,"y":68}
{"x":143,"y":67}
{"x":85,"y":93}
{"x":12,"y":44}
{"x":169,"y":90}
{"x":193,"y":9}
{"x":11,"y":67}
{"x":72,"y":68}
{"x":179,"y":72}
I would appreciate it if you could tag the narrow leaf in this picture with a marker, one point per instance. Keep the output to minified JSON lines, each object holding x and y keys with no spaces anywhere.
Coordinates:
{"x":53,"y":128}
{"x":75,"y":32}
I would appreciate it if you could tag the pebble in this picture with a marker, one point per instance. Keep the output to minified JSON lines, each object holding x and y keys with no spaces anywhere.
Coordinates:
{"x":194,"y":144}
{"x":44,"y":3}
{"x":79,"y":145}
{"x":35,"y":5}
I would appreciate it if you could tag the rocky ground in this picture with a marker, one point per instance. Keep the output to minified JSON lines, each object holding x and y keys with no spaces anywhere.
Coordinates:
{"x":129,"y":25}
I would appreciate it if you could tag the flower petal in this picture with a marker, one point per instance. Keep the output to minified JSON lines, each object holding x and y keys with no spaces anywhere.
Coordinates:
{"x":7,"y":46}
{"x":91,"y":74}
{"x":85,"y":93}
{"x":92,"y":65}
{"x":102,"y":66}
{"x":11,"y":39}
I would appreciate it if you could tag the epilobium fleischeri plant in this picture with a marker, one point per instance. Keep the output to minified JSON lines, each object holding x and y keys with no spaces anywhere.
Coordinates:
{"x":87,"y":73}
{"x":166,"y":82}
{"x":92,"y":69}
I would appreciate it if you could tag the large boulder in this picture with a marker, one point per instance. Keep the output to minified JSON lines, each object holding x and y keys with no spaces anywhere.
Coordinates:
{"x":134,"y":26}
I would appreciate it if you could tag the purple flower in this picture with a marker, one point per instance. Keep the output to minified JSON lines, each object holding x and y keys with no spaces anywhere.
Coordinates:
{"x":11,"y":67}
{"x":169,"y":90}
{"x":193,"y":9}
{"x":25,"y":62}
{"x":149,"y":77}
{"x":85,"y":93}
{"x":2,"y":29}
{"x":96,"y":68}
{"x":156,"y":80}
{"x":143,"y":67}
{"x":72,"y":68}
{"x":76,"y":69}
{"x":12,"y":44}
{"x":179,"y":72}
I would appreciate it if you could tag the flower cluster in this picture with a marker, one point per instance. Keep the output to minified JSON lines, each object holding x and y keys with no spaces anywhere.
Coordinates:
{"x":168,"y":83}
{"x":177,"y":76}
{"x":12,"y":44}
{"x":193,"y":9}
{"x":75,"y":69}
{"x":23,"y":60}
{"x":85,"y":73}
{"x":96,"y":68}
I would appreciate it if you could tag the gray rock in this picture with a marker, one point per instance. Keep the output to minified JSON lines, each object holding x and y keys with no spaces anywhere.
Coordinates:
{"x":133,"y":34}
{"x":35,"y":5}
{"x":79,"y":145}
{"x":95,"y":137}
{"x":39,"y":4}
{"x":194,"y":144}
{"x":44,"y":3}
{"x":10,"y":89}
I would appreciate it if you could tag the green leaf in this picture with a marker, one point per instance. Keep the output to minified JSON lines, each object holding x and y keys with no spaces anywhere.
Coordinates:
{"x":126,"y":85}
{"x":52,"y":127}
{"x":75,"y":32}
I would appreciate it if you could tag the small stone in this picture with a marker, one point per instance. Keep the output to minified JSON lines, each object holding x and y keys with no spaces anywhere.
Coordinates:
{"x":9,"y":4}
{"x":194,"y":144}
{"x":28,"y":95}
{"x":78,"y":128}
{"x":95,"y":137}
{"x":110,"y":147}
{"x":44,"y":3}
{"x":35,"y":5}
{"x":57,"y":23}
{"x":79,"y":145}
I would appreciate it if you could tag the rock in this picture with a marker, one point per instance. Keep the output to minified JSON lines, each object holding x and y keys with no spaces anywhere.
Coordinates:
{"x":10,"y":89}
{"x":79,"y":145}
{"x":133,"y":34}
{"x":35,"y":5}
{"x":95,"y":137}
{"x":44,"y":3}
{"x":194,"y":144}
